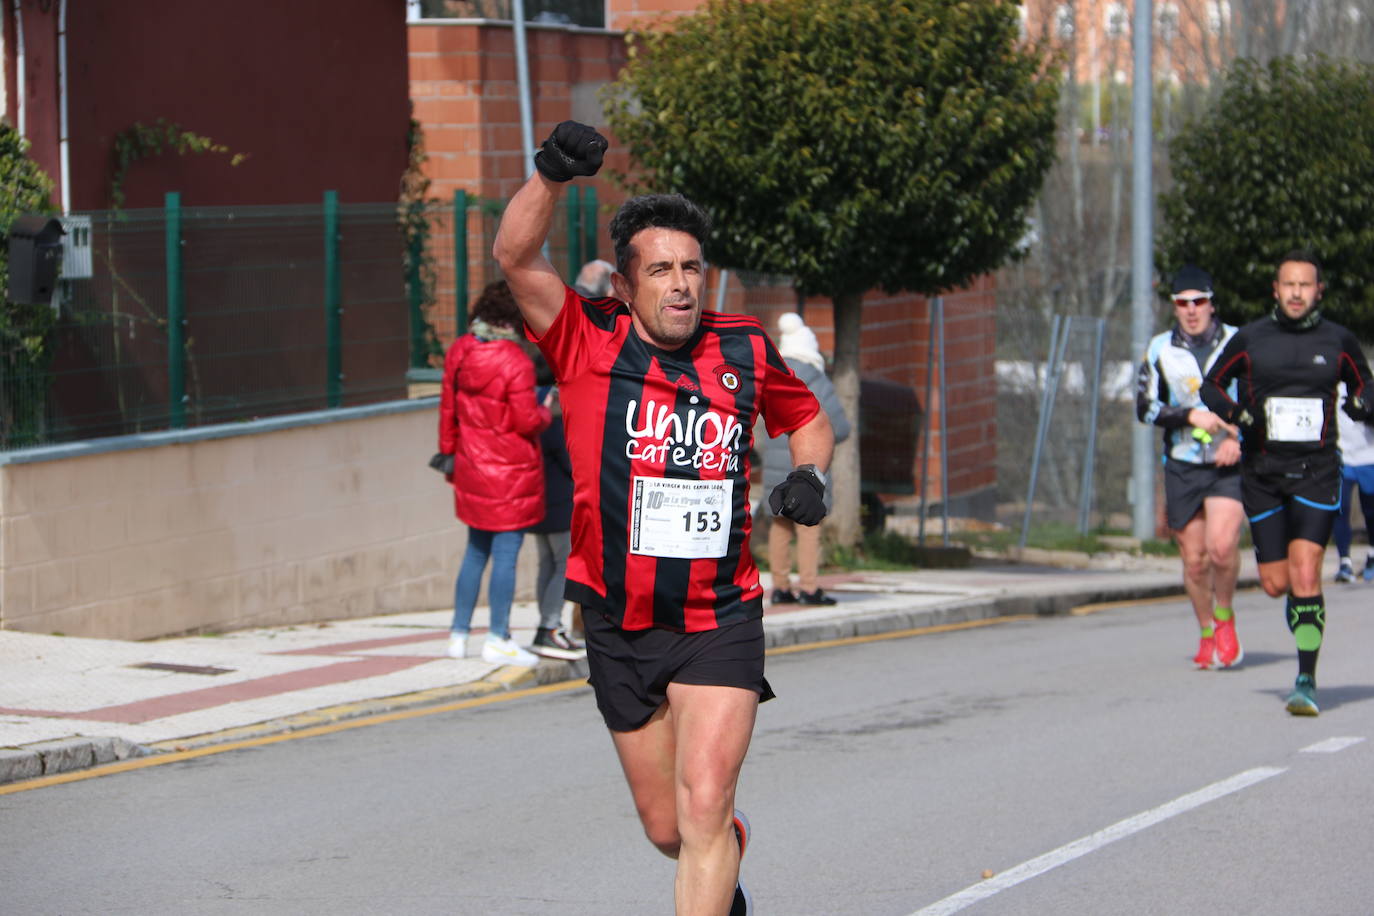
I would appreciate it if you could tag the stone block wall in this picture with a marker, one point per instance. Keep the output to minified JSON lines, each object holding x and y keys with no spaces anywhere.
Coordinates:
{"x":232,"y":527}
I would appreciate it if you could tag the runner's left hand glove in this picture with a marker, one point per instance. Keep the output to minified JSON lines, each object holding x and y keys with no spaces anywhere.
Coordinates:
{"x":801,"y":497}
{"x":1357,"y":408}
{"x":572,"y":149}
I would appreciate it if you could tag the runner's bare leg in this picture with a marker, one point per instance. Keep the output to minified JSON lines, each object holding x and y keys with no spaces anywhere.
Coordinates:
{"x":682,"y":768}
{"x":1224,"y":517}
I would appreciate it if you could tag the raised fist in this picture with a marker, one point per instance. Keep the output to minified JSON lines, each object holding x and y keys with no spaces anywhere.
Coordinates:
{"x":572,"y":149}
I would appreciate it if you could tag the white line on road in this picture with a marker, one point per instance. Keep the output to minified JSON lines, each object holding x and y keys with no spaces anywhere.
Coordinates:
{"x":1081,"y":847}
{"x":1330,"y":745}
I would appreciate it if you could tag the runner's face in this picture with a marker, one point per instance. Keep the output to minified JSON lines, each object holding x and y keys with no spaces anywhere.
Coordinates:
{"x":1297,"y":289}
{"x":663,"y":286}
{"x":1193,"y":309}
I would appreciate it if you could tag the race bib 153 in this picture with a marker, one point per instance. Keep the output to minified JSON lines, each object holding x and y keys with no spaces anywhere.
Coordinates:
{"x":689,"y":519}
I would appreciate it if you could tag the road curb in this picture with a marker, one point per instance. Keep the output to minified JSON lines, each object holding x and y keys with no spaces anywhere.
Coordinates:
{"x":63,"y":755}
{"x":69,"y":754}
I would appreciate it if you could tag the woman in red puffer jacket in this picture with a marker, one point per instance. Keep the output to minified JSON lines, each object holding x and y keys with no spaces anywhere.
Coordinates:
{"x":489,"y":422}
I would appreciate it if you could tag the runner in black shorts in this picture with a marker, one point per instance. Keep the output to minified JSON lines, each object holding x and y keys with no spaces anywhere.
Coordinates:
{"x":659,"y":402}
{"x":1201,"y":462}
{"x":1287,"y":367}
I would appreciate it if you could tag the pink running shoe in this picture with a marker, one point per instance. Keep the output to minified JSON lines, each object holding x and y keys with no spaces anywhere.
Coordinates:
{"x":1206,"y":658}
{"x":1229,"y":651}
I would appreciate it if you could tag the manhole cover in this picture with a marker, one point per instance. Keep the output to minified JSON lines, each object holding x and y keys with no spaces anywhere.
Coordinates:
{"x":183,"y":669}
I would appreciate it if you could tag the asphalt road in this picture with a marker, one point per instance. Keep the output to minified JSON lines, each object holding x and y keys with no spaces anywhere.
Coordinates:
{"x":1079,"y":761}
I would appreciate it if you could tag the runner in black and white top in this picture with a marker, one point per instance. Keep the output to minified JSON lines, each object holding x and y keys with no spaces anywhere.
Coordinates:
{"x":660,"y":398}
{"x":1356,"y":441}
{"x":1201,"y":462}
{"x":1286,"y":367}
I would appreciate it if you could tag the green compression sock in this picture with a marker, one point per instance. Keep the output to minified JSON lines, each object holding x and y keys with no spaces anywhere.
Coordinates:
{"x":1307,"y":621}
{"x":1208,"y":632}
{"x":1223,"y":614}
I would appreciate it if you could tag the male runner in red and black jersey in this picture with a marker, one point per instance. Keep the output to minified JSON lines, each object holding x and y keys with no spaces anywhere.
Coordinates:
{"x":1286,"y":367}
{"x":659,"y":400}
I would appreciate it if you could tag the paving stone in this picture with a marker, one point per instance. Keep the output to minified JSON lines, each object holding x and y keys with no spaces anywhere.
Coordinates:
{"x":18,"y":764}
{"x":64,"y":755}
{"x":110,"y":750}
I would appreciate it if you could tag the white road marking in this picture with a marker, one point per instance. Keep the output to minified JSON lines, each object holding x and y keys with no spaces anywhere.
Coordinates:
{"x":1330,"y":745}
{"x":1081,"y":847}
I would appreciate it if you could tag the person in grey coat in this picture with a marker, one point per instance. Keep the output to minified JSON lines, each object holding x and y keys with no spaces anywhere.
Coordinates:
{"x":797,"y":344}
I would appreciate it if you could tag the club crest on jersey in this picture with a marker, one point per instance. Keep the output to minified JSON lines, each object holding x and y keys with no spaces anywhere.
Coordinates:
{"x":728,"y":378}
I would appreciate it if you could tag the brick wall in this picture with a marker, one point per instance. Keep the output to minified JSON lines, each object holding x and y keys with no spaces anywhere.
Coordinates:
{"x":894,"y":346}
{"x":464,"y":92}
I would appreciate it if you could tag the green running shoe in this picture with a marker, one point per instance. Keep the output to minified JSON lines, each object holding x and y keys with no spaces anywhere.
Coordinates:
{"x":1303,"y":700}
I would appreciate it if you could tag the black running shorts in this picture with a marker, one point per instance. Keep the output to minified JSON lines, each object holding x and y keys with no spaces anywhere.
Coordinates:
{"x":1288,"y":499}
{"x":631,"y":669}
{"x":1187,"y":485}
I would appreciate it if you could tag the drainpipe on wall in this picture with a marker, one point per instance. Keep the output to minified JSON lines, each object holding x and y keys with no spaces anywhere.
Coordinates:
{"x":64,"y":164}
{"x":522,"y":75}
{"x":19,"y":62}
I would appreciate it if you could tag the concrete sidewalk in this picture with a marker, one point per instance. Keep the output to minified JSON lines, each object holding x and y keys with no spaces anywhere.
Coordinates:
{"x":68,"y":703}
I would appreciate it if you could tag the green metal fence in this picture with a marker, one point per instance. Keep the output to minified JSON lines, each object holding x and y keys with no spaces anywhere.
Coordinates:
{"x":189,"y":316}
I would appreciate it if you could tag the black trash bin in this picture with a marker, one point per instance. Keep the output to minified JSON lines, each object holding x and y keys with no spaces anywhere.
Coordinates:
{"x":890,"y":418}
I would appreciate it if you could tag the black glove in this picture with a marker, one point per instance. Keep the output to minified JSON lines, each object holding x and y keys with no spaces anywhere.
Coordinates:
{"x":442,"y":463}
{"x":572,"y":149}
{"x":1357,"y":408}
{"x":801,"y":497}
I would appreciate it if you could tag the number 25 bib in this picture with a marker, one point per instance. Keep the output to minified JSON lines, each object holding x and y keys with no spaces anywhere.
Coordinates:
{"x":1293,"y":419}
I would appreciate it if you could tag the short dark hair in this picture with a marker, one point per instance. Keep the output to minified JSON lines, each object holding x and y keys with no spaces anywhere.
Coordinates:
{"x":496,"y":306}
{"x":655,"y":211}
{"x":1302,"y":256}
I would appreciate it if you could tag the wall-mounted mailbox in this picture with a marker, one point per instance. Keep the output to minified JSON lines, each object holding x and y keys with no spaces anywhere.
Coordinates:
{"x":35,"y":253}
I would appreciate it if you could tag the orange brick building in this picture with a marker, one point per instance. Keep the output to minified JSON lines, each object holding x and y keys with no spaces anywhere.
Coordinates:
{"x":463,"y":87}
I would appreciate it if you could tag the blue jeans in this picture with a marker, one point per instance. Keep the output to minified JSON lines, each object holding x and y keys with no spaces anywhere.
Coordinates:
{"x":502,"y":547}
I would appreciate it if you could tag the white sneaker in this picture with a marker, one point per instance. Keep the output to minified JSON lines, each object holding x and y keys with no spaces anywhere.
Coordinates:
{"x":457,"y":645}
{"x":498,"y":651}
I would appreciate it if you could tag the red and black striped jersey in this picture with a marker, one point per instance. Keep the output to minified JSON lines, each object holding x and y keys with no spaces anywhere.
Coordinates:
{"x":660,"y":445}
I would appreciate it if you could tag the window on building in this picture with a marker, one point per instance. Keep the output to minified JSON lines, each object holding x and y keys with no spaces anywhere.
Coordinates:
{"x":1168,"y":22}
{"x":1116,"y":20}
{"x":1063,"y":21}
{"x":585,"y":13}
{"x":1218,"y":14}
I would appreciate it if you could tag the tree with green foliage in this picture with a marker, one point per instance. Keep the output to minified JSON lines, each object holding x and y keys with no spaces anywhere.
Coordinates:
{"x":1283,"y":160}
{"x":847,"y":144}
{"x":25,"y":351}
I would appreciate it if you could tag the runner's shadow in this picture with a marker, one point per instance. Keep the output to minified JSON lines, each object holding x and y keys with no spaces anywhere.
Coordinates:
{"x":1260,"y":659}
{"x":1329,"y":698}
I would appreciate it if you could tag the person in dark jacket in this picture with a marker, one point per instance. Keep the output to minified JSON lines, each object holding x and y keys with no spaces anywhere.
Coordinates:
{"x":490,"y":421}
{"x":553,"y":535}
{"x":1287,"y":366}
{"x":797,"y":345}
